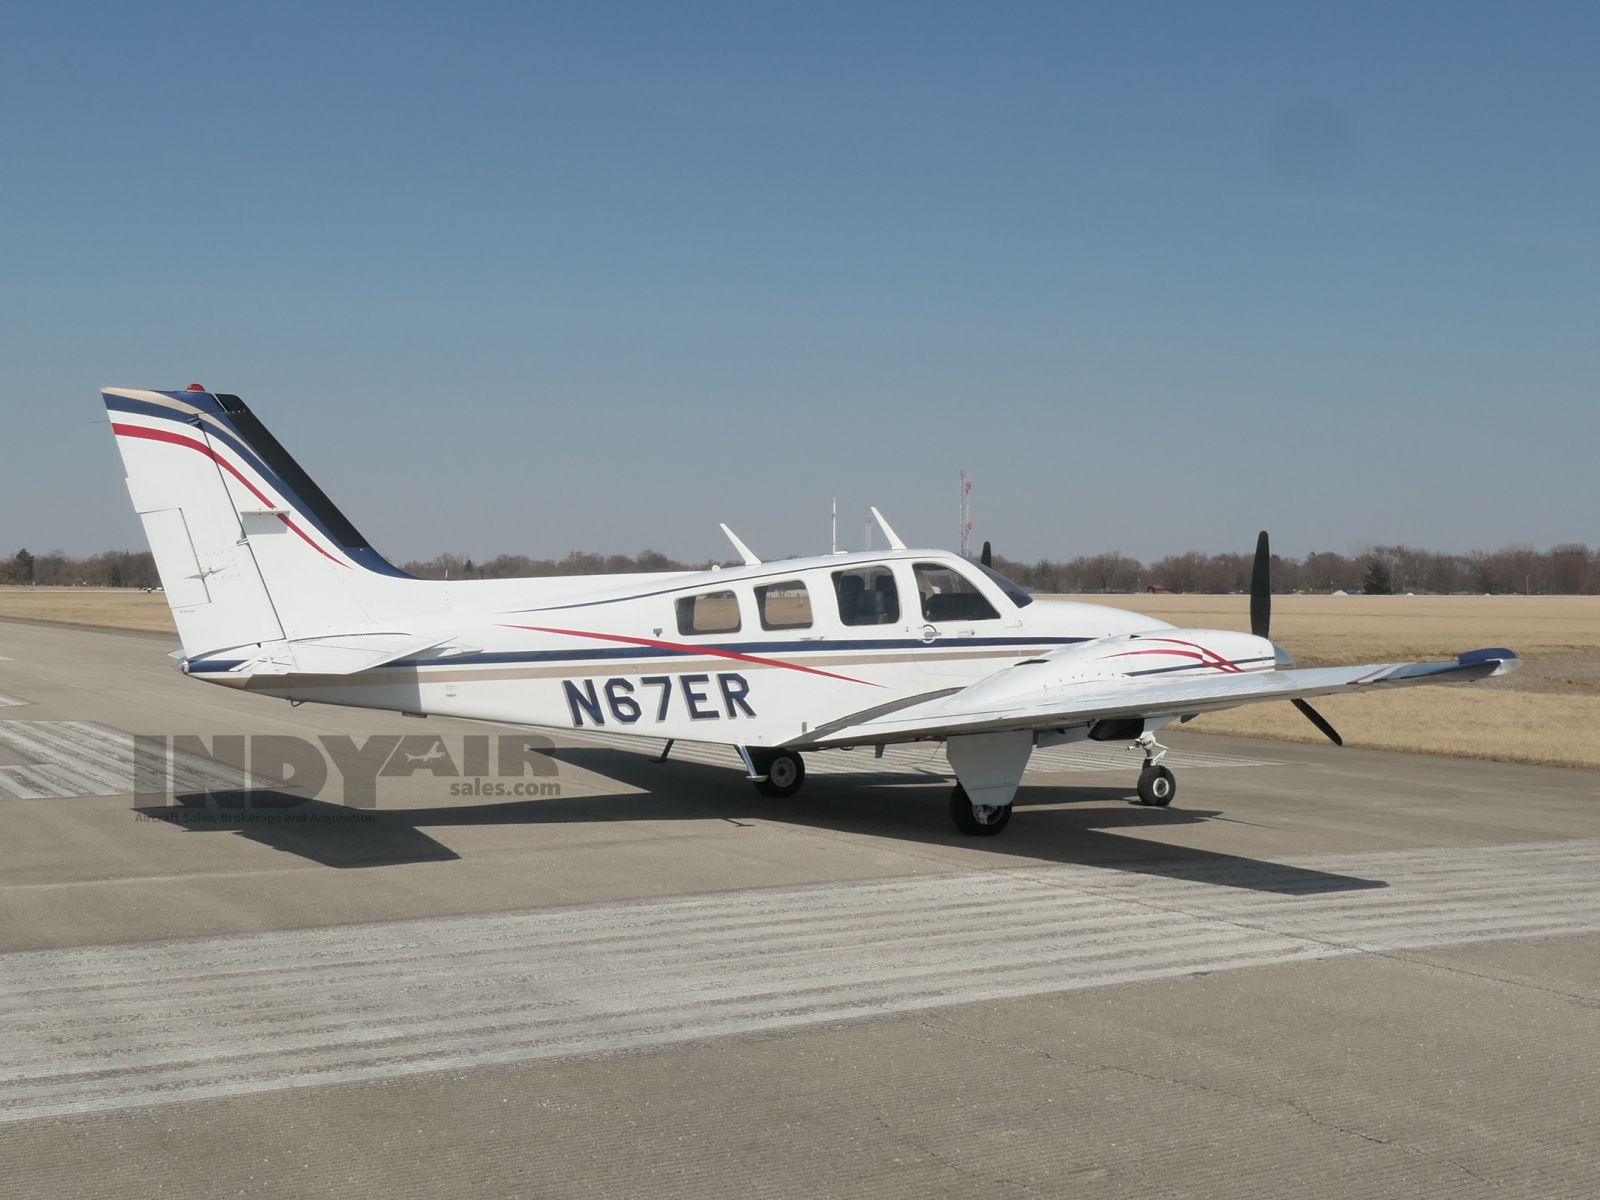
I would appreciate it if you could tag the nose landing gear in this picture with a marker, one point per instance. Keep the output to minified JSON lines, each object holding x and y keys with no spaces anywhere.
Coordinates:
{"x":1157,"y":785}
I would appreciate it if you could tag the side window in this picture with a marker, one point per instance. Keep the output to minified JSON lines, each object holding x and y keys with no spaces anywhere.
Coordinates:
{"x":948,"y":595}
{"x":867,"y":596}
{"x":709,"y":612}
{"x":785,"y":605}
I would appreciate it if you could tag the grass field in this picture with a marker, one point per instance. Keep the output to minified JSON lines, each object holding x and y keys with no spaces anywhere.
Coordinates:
{"x":1548,"y":712}
{"x":107,"y":608}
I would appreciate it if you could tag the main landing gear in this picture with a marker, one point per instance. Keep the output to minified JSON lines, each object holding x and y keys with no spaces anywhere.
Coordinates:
{"x":776,"y":773}
{"x":1157,"y":785}
{"x":977,"y":820}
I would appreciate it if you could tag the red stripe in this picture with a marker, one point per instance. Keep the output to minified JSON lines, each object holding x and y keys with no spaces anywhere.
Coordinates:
{"x":1208,"y":656}
{"x":284,"y":517}
{"x":692,"y":649}
{"x":1212,"y":657}
{"x":178,"y":439}
{"x":1172,"y":653}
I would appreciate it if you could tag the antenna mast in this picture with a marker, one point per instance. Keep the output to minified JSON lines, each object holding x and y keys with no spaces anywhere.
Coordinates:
{"x":966,"y":516}
{"x":836,"y":524}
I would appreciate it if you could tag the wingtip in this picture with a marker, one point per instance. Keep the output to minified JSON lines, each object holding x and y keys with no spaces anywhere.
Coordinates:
{"x":1505,"y":660}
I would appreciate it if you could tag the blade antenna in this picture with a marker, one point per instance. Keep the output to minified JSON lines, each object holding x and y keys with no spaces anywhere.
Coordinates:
{"x":894,"y":538}
{"x":745,"y":553}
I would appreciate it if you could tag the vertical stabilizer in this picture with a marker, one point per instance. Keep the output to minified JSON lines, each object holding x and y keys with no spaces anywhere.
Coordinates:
{"x":250,"y":550}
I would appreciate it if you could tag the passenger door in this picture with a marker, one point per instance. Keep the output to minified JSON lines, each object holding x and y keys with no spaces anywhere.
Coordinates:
{"x":957,"y":622}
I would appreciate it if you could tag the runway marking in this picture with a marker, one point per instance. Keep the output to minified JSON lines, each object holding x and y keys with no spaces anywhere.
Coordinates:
{"x":113,"y":1027}
{"x":926,"y":759}
{"x":73,"y":759}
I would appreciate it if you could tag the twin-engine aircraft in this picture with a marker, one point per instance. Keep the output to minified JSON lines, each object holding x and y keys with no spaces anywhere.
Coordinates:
{"x":275,"y":592}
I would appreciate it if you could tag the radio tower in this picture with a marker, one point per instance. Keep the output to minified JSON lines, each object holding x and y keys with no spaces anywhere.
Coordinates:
{"x":966,"y":515}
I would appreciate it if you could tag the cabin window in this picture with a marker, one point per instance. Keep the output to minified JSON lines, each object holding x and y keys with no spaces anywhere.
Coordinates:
{"x":785,"y":605}
{"x":867,"y":596}
{"x":948,"y":595}
{"x":1014,"y":591}
{"x":709,"y":612}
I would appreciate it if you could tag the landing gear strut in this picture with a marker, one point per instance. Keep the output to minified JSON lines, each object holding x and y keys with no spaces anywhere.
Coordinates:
{"x":977,"y":820}
{"x":776,"y":773}
{"x":1157,"y":785}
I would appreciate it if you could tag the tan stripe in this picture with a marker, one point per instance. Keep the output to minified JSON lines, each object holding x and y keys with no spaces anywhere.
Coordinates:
{"x":180,"y":406}
{"x":585,"y":670}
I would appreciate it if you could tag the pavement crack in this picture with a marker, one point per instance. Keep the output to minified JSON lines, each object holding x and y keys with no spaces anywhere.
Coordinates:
{"x":950,"y":1164}
{"x":1579,"y":998}
{"x":935,"y":1027}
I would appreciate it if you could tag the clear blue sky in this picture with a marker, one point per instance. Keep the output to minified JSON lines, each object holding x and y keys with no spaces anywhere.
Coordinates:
{"x":535,"y":278}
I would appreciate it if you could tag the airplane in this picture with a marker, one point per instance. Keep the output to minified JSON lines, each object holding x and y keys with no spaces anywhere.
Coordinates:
{"x":275,"y":592}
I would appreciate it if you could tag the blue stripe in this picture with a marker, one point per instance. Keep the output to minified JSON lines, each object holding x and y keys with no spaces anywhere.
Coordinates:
{"x":144,"y":408}
{"x":759,"y":649}
{"x":762,"y":649}
{"x":1199,"y":666}
{"x":364,"y":556}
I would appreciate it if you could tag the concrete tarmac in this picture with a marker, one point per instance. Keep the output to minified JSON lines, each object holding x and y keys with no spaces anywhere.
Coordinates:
{"x":1322,"y":972}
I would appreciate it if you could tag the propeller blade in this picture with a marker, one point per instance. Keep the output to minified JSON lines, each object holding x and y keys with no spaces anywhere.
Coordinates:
{"x":1320,"y":721}
{"x":987,"y":557}
{"x":1261,"y":589}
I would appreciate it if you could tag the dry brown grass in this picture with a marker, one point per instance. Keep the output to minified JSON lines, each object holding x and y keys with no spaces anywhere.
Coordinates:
{"x":105,"y":608}
{"x":1548,"y":712}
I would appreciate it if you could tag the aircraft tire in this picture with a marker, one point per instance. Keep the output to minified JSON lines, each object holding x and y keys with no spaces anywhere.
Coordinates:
{"x":785,"y":771}
{"x":974,"y":820}
{"x":1157,"y":787}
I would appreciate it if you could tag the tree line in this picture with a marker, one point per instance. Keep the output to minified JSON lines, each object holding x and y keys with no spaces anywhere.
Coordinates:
{"x":1571,"y":569}
{"x":1565,"y":570}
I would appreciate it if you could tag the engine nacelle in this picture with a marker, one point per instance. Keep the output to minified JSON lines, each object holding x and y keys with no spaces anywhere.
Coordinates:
{"x":1157,"y":654}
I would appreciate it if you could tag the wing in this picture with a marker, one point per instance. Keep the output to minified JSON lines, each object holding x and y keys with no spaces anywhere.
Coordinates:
{"x":1006,"y":702}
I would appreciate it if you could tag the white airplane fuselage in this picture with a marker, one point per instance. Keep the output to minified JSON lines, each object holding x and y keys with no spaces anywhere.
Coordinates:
{"x":623,"y":654}
{"x":273,"y":590}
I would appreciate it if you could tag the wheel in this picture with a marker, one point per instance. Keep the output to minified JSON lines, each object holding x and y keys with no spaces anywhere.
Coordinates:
{"x":1157,"y":787}
{"x":785,"y":771}
{"x":977,"y":820}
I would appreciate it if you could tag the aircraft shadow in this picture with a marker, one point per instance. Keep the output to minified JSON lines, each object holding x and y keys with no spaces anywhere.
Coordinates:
{"x":1053,"y":824}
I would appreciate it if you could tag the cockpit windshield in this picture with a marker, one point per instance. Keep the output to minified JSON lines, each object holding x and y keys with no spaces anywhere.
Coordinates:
{"x":1014,"y":591}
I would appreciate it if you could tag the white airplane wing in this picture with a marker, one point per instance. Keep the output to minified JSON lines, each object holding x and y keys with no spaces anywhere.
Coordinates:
{"x":1005,"y":702}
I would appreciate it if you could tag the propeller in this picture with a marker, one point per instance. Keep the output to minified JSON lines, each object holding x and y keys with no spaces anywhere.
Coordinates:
{"x":987,"y":557}
{"x":1320,"y":721}
{"x":1261,"y":625}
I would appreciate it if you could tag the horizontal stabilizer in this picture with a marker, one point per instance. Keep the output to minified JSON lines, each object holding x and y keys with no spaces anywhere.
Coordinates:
{"x":341,"y":654}
{"x":350,"y":653}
